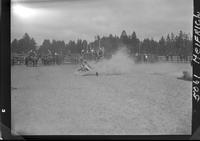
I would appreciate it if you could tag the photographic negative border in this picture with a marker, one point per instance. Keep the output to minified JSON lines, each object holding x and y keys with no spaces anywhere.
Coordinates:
{"x":6,"y":83}
{"x":196,"y":67}
{"x":5,"y":69}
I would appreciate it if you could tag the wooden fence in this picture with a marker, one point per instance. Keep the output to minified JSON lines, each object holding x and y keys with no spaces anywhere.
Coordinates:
{"x":175,"y":59}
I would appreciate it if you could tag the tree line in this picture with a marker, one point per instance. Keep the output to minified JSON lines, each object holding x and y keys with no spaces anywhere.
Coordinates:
{"x":172,"y":44}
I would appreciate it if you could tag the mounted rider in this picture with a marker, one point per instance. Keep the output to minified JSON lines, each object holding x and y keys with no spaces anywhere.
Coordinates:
{"x":32,"y":57}
{"x":100,"y":53}
{"x":84,"y":66}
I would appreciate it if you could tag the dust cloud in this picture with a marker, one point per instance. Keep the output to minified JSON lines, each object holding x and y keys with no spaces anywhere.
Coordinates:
{"x":119,"y":63}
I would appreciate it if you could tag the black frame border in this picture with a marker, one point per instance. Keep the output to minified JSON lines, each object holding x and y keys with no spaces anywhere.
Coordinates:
{"x":196,"y":68}
{"x":6,"y":90}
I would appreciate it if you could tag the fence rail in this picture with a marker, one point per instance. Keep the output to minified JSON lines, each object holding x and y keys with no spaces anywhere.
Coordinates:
{"x":175,"y":59}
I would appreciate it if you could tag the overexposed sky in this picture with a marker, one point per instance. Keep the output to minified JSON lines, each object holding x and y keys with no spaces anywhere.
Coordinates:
{"x":73,"y":19}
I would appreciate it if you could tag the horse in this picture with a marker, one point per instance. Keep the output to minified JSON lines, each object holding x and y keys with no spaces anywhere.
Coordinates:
{"x":31,"y":59}
{"x":48,"y":59}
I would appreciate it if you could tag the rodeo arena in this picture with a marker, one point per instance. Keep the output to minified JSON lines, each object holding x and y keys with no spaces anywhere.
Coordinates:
{"x":34,"y":59}
{"x":89,"y":94}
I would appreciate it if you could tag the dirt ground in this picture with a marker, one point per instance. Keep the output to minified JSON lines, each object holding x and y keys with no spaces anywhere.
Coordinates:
{"x":52,"y":100}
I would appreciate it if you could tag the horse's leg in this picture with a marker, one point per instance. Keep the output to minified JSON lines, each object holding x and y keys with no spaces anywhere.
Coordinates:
{"x":34,"y":62}
{"x":28,"y":62}
{"x":25,"y":61}
{"x":37,"y":62}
